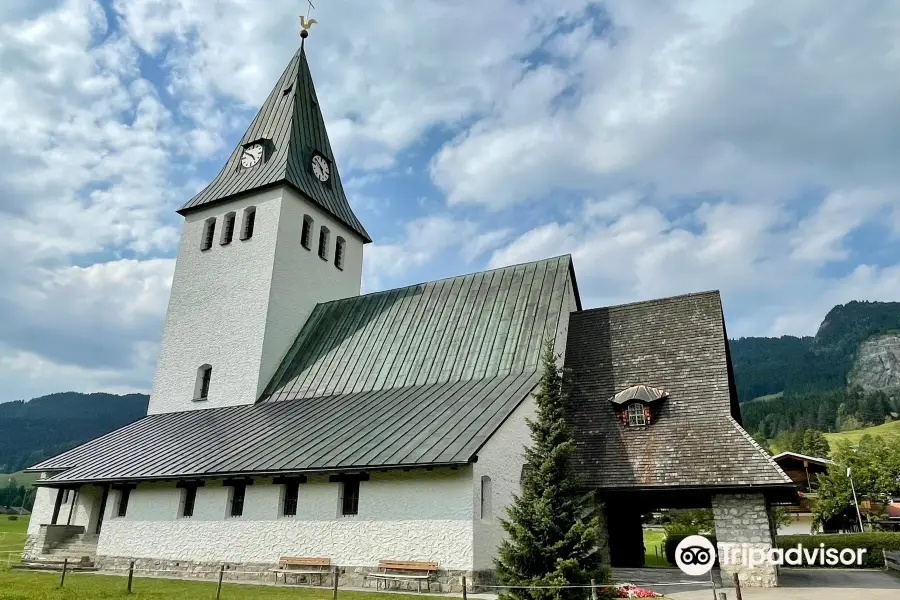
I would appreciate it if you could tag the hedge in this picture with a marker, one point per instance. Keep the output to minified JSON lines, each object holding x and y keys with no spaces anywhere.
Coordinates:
{"x":874,"y":542}
{"x":673,"y":540}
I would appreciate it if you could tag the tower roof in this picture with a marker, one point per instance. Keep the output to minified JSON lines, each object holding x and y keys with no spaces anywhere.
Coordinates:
{"x":291,"y":127}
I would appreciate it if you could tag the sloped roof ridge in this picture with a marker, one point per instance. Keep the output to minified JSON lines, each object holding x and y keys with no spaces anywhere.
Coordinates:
{"x":770,"y":459}
{"x":473,"y":273}
{"x":656,"y":300}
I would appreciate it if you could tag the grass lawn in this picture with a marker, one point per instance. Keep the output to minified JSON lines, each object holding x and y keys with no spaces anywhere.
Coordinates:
{"x":21,"y":478}
{"x":12,"y":539}
{"x":653,"y":539}
{"x":891,"y":429}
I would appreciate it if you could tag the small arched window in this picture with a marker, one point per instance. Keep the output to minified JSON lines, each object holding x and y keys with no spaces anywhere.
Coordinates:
{"x":323,"y":243}
{"x":209,"y":232}
{"x":227,"y":229}
{"x":339,"y":244}
{"x":636,"y":417}
{"x":306,"y":234}
{"x":249,"y":222}
{"x":486,"y":497}
{"x":201,"y":387}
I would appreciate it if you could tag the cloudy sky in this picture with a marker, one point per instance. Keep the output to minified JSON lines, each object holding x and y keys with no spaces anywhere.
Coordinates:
{"x":747,"y":146}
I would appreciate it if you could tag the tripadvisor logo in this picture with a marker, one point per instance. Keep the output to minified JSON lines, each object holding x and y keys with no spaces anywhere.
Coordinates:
{"x":695,"y":555}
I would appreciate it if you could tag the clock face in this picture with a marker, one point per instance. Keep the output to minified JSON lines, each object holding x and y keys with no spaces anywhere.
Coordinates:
{"x":252,"y":155}
{"x":320,"y":168}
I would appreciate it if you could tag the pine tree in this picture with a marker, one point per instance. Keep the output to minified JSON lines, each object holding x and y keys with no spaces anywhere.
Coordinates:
{"x":553,"y":528}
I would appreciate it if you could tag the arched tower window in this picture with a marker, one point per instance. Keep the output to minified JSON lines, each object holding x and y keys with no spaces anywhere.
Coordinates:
{"x":201,"y":387}
{"x":227,"y":229}
{"x":249,"y":222}
{"x":323,"y":243}
{"x":209,"y":232}
{"x":339,"y":252}
{"x":306,"y":234}
{"x":486,"y":497}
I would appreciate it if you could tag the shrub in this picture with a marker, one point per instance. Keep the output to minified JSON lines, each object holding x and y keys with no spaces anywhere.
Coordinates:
{"x":13,"y":517}
{"x":874,"y":542}
{"x":673,"y":540}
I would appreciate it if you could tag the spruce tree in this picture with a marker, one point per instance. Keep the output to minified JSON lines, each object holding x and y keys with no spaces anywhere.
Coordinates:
{"x":553,"y":528}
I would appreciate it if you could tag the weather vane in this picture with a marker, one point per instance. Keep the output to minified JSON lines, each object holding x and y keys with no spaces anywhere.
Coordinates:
{"x":306,"y":22}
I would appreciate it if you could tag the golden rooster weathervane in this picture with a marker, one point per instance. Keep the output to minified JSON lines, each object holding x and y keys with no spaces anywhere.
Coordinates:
{"x":306,"y":22}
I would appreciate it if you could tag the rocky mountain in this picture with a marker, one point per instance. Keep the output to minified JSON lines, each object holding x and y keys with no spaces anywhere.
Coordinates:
{"x":877,"y":364}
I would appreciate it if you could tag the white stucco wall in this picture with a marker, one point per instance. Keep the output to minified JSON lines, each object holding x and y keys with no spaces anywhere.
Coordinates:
{"x":42,"y":511}
{"x":238,"y":307}
{"x":409,"y":516}
{"x":501,"y":459}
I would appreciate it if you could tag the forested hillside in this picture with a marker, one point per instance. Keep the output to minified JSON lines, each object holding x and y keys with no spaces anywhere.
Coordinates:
{"x":33,"y":430}
{"x":810,"y":374}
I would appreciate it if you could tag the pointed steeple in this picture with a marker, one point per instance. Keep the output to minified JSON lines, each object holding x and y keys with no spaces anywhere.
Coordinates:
{"x":291,"y":130}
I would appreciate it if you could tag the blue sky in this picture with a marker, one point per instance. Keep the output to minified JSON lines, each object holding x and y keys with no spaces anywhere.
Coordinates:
{"x":748,"y":146}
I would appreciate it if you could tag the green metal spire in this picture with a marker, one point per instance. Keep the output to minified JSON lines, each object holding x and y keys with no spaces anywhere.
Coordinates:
{"x":291,"y":128}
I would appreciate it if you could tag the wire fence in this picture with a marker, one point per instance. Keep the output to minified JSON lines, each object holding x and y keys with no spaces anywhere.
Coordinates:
{"x":223,"y":574}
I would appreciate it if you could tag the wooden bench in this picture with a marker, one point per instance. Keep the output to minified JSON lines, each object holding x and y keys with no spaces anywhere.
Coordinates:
{"x":399,"y":570}
{"x":302,"y":565}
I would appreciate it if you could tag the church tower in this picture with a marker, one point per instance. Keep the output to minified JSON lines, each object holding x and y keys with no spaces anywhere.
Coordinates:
{"x":270,"y":237}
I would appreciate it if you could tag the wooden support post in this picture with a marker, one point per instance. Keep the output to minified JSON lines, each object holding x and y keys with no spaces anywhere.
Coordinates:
{"x":335,"y":584}
{"x":593,"y":590}
{"x":737,"y":586}
{"x":62,"y":579}
{"x":130,"y":576}
{"x":465,"y":594}
{"x":221,"y":575}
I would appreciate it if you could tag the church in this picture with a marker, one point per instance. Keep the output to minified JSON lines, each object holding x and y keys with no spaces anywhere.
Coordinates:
{"x":291,"y":416}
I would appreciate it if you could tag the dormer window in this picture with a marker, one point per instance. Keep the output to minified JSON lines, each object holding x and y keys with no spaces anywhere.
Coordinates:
{"x":636,"y":417}
{"x":635,"y":405}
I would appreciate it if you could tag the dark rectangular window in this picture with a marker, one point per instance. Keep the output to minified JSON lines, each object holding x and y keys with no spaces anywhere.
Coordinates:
{"x":291,"y":494}
{"x":209,"y":232}
{"x":206,"y":376}
{"x":238,"y":492}
{"x":190,"y":498}
{"x":227,"y":229}
{"x":323,"y":243}
{"x":350,"y":497}
{"x":249,"y":222}
{"x":306,"y":234}
{"x":124,"y":495}
{"x":339,"y":253}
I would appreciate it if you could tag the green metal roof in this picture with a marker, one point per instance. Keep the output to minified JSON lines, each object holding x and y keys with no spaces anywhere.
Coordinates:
{"x":292,"y":120}
{"x":416,"y":426}
{"x":476,"y":326}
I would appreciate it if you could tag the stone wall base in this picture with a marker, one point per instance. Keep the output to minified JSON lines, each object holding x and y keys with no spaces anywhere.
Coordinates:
{"x":742,"y":525}
{"x":442,"y":581}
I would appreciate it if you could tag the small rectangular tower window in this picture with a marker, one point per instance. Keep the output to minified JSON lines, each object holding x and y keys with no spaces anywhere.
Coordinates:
{"x":291,"y":495}
{"x":201,"y":387}
{"x":306,"y":235}
{"x":249,"y":222}
{"x":209,"y":232}
{"x":339,"y":252}
{"x":238,"y":493}
{"x":350,"y":497}
{"x":227,"y":229}
{"x":486,"y":497}
{"x":323,"y":243}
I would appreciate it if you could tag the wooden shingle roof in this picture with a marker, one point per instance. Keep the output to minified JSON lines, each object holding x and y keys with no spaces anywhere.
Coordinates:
{"x":679,"y":345}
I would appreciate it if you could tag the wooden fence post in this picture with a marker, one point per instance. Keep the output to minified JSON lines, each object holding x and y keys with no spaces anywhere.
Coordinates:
{"x":130,"y":575}
{"x":334,"y":587}
{"x":737,"y":586}
{"x":465,"y":593}
{"x":593,"y":590}
{"x":221,"y":575}
{"x":62,"y":579}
